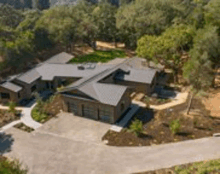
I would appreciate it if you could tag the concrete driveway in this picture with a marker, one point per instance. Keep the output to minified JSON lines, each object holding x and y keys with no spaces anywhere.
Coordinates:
{"x":67,"y":125}
{"x":62,"y":146}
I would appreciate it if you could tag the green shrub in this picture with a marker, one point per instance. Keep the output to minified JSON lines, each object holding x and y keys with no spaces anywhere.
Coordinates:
{"x":38,"y":116}
{"x":11,"y":167}
{"x":136,"y":127}
{"x":174,"y":126}
{"x":12,"y":106}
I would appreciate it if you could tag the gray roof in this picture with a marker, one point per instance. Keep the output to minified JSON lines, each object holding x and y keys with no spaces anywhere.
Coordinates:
{"x":49,"y":71}
{"x":137,"y":75}
{"x":11,"y":86}
{"x":29,"y":76}
{"x":60,"y":58}
{"x":104,"y":93}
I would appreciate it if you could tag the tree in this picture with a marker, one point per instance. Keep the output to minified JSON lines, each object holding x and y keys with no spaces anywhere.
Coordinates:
{"x":143,"y":17}
{"x":136,"y":127}
{"x":9,"y":16}
{"x":42,"y":4}
{"x":29,"y":22}
{"x":105,"y":21}
{"x":168,"y":47}
{"x":212,"y":13}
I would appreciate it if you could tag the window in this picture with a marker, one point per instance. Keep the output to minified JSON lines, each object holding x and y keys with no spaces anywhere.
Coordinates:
{"x":33,"y":88}
{"x":5,"y":95}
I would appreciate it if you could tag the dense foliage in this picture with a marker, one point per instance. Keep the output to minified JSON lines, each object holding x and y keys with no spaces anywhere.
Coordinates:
{"x":160,"y":31}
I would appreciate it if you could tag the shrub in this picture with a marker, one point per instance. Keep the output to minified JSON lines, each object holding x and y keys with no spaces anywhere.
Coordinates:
{"x":147,"y":101}
{"x":136,"y":127}
{"x":12,"y":106}
{"x":38,"y":116}
{"x":7,"y":167}
{"x":174,"y":126}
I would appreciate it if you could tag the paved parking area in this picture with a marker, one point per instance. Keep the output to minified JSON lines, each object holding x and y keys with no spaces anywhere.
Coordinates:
{"x":67,"y":125}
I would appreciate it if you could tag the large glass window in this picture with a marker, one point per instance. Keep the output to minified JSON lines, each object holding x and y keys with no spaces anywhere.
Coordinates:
{"x":5,"y":95}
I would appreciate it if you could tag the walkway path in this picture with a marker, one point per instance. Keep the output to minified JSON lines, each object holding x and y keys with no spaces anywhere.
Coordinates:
{"x":25,"y":117}
{"x":119,"y":126}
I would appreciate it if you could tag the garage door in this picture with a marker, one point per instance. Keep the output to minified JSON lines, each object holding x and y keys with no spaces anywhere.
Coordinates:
{"x":88,"y":111}
{"x":72,"y":107}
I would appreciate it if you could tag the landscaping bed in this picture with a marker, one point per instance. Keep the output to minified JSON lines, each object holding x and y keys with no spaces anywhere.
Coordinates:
{"x":155,"y":101}
{"x":99,"y":56}
{"x":156,"y":127}
{"x":7,"y":117}
{"x":24,"y":127}
{"x":205,"y":167}
{"x":47,"y":109}
{"x":11,"y":167}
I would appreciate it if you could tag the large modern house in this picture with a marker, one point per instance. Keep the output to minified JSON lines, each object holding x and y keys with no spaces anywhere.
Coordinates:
{"x":97,"y":91}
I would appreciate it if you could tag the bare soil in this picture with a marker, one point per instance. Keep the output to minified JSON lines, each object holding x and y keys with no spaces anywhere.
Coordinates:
{"x":156,"y":127}
{"x":7,"y":117}
{"x":212,"y":103}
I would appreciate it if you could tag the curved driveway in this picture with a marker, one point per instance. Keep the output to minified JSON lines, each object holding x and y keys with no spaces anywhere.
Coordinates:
{"x":52,"y":153}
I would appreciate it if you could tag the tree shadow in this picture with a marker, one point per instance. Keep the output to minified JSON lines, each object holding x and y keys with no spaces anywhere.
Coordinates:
{"x":145,"y":115}
{"x":6,"y":142}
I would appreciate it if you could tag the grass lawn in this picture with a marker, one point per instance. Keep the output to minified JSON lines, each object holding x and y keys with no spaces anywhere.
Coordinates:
{"x":205,"y":167}
{"x":99,"y":56}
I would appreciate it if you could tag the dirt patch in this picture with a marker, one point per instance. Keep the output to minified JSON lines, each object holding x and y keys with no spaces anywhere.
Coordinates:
{"x":212,"y":103}
{"x":156,"y":127}
{"x":7,"y":117}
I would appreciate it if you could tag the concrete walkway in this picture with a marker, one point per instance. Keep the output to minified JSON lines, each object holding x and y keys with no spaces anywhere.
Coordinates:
{"x":119,"y":126}
{"x":46,"y":153}
{"x":179,"y":99}
{"x":25,"y":117}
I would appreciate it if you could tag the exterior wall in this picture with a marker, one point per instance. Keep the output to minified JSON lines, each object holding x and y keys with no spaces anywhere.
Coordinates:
{"x":126,"y":100}
{"x":114,"y":111}
{"x":26,"y":93}
{"x":83,"y":102}
{"x":13,"y":96}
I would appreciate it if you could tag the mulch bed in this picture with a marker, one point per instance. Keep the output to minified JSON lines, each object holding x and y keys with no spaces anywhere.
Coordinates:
{"x":24,"y":127}
{"x":156,"y":101}
{"x":7,"y":117}
{"x":157,"y":131}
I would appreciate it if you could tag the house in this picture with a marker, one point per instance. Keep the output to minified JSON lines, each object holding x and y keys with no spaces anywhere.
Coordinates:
{"x":97,"y":91}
